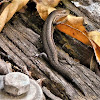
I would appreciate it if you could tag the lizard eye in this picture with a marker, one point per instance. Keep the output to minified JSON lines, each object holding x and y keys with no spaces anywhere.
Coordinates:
{"x":64,"y":11}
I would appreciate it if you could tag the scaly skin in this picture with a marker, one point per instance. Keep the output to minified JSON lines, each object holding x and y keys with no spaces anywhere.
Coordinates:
{"x":48,"y":41}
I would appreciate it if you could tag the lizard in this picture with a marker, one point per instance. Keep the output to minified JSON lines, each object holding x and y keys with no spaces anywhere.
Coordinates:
{"x":47,"y":38}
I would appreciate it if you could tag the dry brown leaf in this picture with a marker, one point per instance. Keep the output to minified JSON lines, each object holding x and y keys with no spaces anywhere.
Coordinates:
{"x":95,"y":36}
{"x":45,"y":7}
{"x":43,"y":10}
{"x":96,"y":50}
{"x":73,"y":26}
{"x":10,"y":10}
{"x":50,"y":3}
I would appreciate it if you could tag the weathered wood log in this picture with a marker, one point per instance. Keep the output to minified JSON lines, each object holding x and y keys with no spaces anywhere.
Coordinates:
{"x":21,"y":43}
{"x":74,"y":48}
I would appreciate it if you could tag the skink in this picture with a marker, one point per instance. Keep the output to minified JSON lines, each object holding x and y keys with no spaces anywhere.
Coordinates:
{"x":52,"y":53}
{"x":47,"y":38}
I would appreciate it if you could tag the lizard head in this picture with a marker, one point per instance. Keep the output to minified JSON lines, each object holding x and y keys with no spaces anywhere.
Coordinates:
{"x":60,"y":13}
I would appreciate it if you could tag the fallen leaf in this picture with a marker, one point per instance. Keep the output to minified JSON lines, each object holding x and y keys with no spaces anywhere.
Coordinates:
{"x":95,"y":36}
{"x":96,"y":50}
{"x":44,"y":10}
{"x":50,"y":3}
{"x":45,"y":7}
{"x":73,"y":26}
{"x":10,"y":10}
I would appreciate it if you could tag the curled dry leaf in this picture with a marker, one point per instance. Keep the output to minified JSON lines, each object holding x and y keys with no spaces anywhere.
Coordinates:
{"x":51,"y":3}
{"x":94,"y":37}
{"x":44,"y":10}
{"x":45,"y":7}
{"x":96,"y":50}
{"x":73,"y":26}
{"x":10,"y":10}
